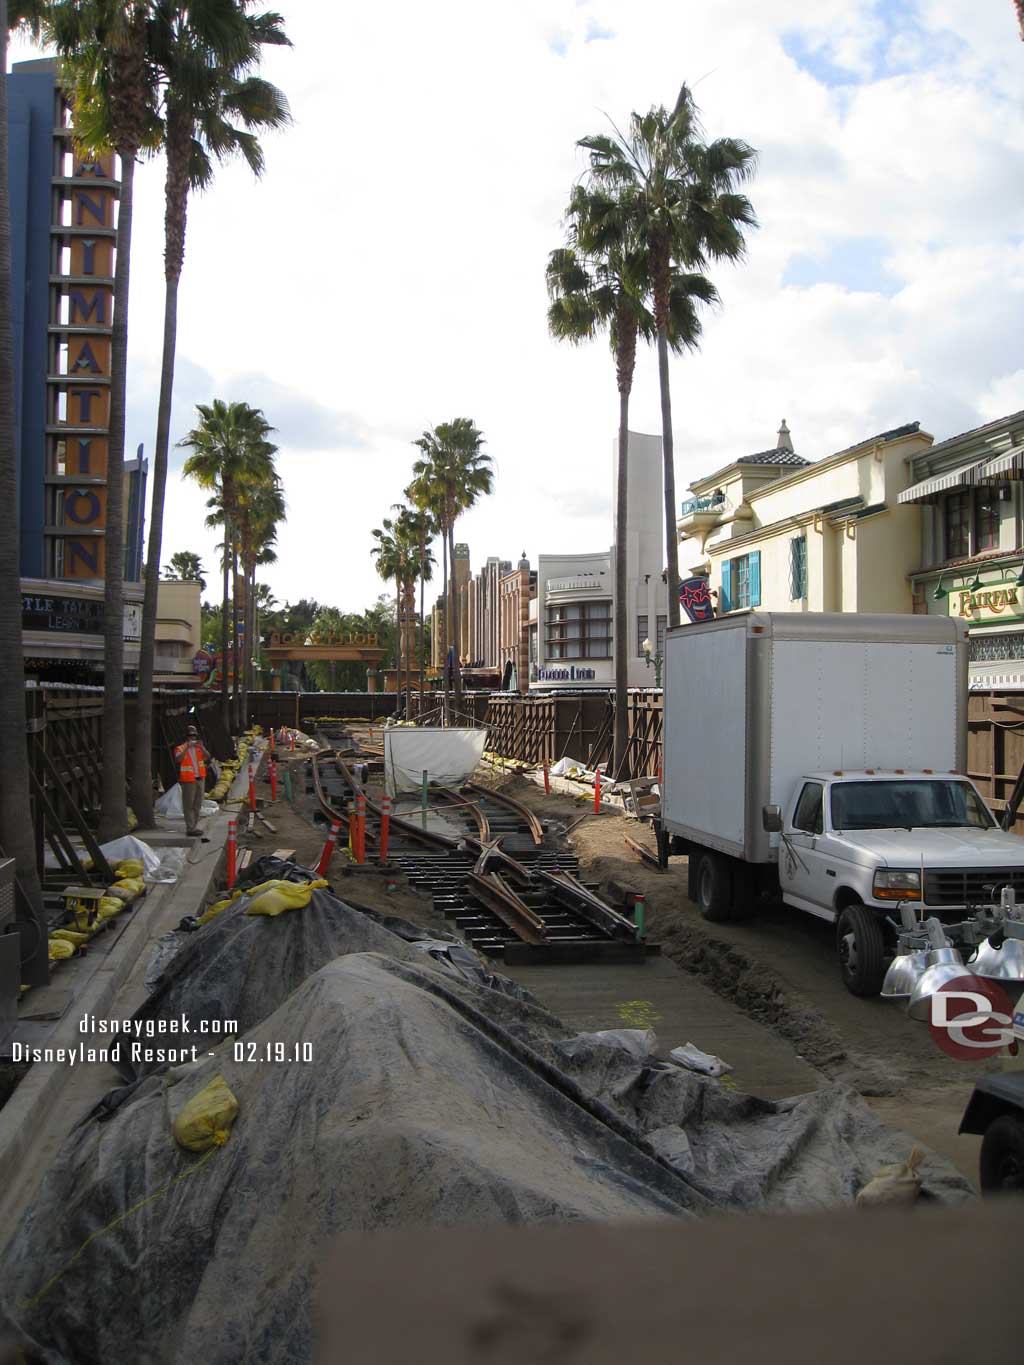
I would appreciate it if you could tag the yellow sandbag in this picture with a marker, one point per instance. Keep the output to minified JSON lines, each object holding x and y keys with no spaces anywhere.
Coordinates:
{"x":70,"y":936}
{"x":274,"y":898}
{"x":133,"y":885}
{"x":207,"y":1118}
{"x":895,"y":1185}
{"x":109,"y":906}
{"x":217,"y":907}
{"x":58,"y":949}
{"x":130,"y":867}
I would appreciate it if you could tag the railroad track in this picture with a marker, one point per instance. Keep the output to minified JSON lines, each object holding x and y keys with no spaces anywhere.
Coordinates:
{"x":510,"y":886}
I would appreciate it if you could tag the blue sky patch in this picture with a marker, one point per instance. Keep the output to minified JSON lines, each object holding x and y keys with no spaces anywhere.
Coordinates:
{"x":855,"y":263}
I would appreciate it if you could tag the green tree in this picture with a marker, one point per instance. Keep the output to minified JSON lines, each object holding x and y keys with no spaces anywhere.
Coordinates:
{"x":16,"y":832}
{"x":185,"y":567}
{"x":395,"y":553}
{"x":229,"y":448}
{"x":600,"y":280}
{"x":420,"y":529}
{"x":684,"y":210}
{"x":451,"y":474}
{"x":261,"y":508}
{"x":211,"y":105}
{"x":105,"y":71}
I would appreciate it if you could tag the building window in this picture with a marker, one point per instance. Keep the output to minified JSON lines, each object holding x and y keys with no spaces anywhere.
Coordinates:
{"x":641,"y":633}
{"x":798,"y":568}
{"x":986,"y":519}
{"x":958,"y":525}
{"x":662,"y":627}
{"x":741,"y":582}
{"x":579,"y":630}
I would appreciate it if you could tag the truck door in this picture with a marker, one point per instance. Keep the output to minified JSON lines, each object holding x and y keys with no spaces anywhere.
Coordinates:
{"x":803,"y":868}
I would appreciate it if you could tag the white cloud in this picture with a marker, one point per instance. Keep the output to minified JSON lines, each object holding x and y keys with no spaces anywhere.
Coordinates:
{"x":387,"y":273}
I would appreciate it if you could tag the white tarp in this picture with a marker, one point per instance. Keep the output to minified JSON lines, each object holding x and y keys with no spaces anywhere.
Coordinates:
{"x":448,"y":756}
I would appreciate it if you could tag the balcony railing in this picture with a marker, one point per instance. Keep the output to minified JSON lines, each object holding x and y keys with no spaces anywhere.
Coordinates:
{"x":711,"y":504}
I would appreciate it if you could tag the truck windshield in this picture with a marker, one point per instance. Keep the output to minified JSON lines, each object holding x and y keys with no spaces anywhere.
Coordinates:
{"x":908,"y":805}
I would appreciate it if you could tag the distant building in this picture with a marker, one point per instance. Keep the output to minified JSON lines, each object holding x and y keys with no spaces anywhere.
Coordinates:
{"x":775,"y":531}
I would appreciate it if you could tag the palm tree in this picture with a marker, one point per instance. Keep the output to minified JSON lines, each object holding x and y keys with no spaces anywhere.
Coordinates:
{"x":421,"y":529}
{"x":203,"y":53}
{"x":185,"y":566}
{"x":228,"y":446}
{"x":684,"y":209}
{"x":394,"y":557}
{"x":600,"y":279}
{"x":261,"y":509}
{"x":102,"y":46}
{"x":16,"y":832}
{"x":453,"y":472}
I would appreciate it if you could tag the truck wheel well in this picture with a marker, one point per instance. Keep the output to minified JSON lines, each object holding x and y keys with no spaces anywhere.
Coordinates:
{"x":846,"y":896}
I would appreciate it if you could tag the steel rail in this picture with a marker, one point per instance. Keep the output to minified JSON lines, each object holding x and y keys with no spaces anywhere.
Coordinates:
{"x":473,"y":808}
{"x":503,"y":902}
{"x":502,"y":799}
{"x":586,"y":904}
{"x":409,"y":827}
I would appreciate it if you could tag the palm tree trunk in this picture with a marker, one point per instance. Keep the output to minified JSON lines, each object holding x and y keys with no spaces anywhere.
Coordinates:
{"x":16,"y":832}
{"x":444,"y":625}
{"x":456,"y":632}
{"x":247,"y":633}
{"x":236,"y":702}
{"x":142,"y":764}
{"x":114,"y":810}
{"x":622,"y":613}
{"x":398,"y":642}
{"x":668,"y":460}
{"x":423,"y":626}
{"x":225,"y":696}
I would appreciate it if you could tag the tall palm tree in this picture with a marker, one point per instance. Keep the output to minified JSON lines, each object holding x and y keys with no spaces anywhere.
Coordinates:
{"x":455,"y":471}
{"x":261,"y":509}
{"x":421,"y":530}
{"x":684,"y":210}
{"x":228,"y":446}
{"x":110,"y":82}
{"x":210,"y":106}
{"x":394,"y":556}
{"x":599,"y":280}
{"x":16,"y":832}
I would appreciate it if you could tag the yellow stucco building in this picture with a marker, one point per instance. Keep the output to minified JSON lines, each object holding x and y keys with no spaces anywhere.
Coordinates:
{"x":779,"y":532}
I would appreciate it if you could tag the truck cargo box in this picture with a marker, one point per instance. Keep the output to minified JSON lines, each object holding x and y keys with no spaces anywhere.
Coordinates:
{"x":753,"y":700}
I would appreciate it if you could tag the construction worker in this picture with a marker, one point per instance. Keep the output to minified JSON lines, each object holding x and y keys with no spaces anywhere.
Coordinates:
{"x":191,"y":758}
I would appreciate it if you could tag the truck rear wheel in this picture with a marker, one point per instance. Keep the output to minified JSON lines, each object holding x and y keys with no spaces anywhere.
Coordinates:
{"x":714,"y":889}
{"x":1001,"y":1167}
{"x":861,"y":946}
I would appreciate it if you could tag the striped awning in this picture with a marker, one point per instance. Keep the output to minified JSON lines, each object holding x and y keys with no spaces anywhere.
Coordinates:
{"x":1009,"y":465}
{"x":928,"y":489}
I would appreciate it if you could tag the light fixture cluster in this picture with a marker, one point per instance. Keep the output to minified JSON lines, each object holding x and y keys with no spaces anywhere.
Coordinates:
{"x":975,"y":584}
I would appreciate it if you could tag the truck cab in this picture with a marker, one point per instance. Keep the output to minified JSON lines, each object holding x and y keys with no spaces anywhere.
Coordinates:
{"x":853,"y":845}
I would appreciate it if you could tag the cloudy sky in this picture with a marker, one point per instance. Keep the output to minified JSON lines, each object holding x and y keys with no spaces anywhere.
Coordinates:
{"x":387,"y":273}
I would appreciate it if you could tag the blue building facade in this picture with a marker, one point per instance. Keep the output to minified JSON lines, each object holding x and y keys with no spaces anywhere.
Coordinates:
{"x":31,"y":102}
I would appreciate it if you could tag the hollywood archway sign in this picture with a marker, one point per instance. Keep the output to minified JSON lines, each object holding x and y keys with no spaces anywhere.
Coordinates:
{"x":291,"y":647}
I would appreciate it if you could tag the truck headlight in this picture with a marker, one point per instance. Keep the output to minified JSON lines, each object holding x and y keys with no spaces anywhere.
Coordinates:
{"x":894,"y":884}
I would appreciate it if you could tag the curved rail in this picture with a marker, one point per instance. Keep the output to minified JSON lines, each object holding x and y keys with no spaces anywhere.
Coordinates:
{"x":524,"y":813}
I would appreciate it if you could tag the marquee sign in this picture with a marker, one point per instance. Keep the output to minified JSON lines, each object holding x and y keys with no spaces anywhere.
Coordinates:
{"x":84,"y":233}
{"x":1000,"y":601}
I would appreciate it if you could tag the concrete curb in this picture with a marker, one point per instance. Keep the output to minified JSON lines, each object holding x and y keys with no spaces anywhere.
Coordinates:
{"x":38,"y":1095}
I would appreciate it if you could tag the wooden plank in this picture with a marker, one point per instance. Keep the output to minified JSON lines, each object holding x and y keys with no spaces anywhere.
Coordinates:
{"x":283,"y":853}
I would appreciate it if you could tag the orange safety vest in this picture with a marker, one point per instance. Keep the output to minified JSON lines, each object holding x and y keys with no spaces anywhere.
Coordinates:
{"x":193,"y":755}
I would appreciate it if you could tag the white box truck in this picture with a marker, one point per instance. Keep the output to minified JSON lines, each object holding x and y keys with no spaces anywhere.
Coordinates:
{"x":822,"y":757}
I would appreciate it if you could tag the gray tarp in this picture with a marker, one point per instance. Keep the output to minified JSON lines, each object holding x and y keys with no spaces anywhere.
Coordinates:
{"x":430,"y":1099}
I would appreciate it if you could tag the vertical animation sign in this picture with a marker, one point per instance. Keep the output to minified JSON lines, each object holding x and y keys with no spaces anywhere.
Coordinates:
{"x":83,"y":235}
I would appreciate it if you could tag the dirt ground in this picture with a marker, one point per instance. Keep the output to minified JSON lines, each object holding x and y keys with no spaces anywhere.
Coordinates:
{"x":779,"y":967}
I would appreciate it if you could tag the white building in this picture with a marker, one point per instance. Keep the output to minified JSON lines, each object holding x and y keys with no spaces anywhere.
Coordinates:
{"x":573,"y":616}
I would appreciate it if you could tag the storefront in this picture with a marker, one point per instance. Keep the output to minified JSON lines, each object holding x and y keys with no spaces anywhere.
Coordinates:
{"x":574,"y":635}
{"x":971,"y":490}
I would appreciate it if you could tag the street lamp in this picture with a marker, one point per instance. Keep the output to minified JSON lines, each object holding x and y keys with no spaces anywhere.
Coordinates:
{"x":656,"y":659}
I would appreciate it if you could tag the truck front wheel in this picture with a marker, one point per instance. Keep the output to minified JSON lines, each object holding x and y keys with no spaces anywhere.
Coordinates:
{"x":861,"y":946}
{"x":714,"y":888}
{"x":1002,"y":1156}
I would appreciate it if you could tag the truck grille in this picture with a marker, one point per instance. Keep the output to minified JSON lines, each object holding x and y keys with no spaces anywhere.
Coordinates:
{"x":969,"y":885}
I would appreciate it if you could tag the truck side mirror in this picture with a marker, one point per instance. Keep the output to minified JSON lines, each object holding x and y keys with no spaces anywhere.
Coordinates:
{"x":771,"y":819}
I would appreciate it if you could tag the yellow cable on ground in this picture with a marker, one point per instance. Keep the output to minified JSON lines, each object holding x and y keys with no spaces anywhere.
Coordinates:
{"x":28,"y":1304}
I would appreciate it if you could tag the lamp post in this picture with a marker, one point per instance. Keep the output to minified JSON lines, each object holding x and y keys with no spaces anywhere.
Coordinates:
{"x":655,"y":659}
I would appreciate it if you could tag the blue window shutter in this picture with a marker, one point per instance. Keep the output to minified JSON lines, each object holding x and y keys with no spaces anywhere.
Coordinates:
{"x":755,"y":578}
{"x":725,"y":601}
